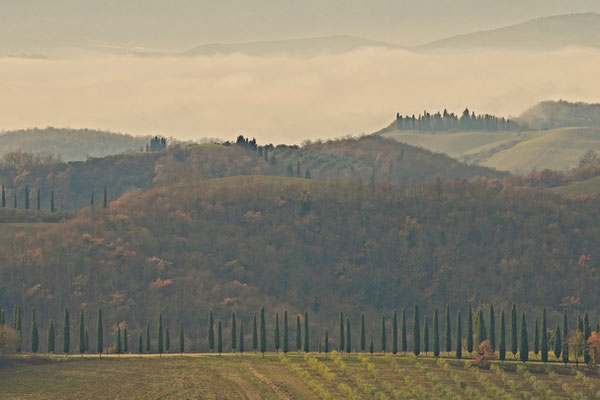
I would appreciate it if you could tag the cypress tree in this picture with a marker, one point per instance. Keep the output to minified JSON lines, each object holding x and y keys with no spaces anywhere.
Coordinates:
{"x":565,"y":335}
{"x":371,"y":349}
{"x":51,"y":337}
{"x":81,"y":333}
{"x":17,"y":324}
{"x":27,"y":197}
{"x":306,"y":337}
{"x":87,"y":342}
{"x":298,"y":334}
{"x":492,"y":332}
{"x":470,"y":330}
{"x":167,"y":340}
{"x":348,"y":337}
{"x":263,"y":332}
{"x":524,"y":350}
{"x":404,"y":341}
{"x":481,"y":333}
{"x":536,"y":338}
{"x":298,"y":171}
{"x":159,"y":335}
{"x":425,"y":337}
{"x":276,"y":336}
{"x":586,"y":334}
{"x":285,"y":333}
{"x":513,"y":331}
{"x":51,"y":201}
{"x":544,"y":337}
{"x":383,"y":338}
{"x":147,"y":337}
{"x":363,"y":338}
{"x":100,"y":335}
{"x":579,"y":324}
{"x":39,"y":205}
{"x":233,"y":332}
{"x":502,"y":347}
{"x":395,"y":333}
{"x":35,"y":339}
{"x":140,"y":344}
{"x":119,"y":345}
{"x":241,"y":341}
{"x":211,"y":331}
{"x":458,"y":336}
{"x":341,"y":344}
{"x":182,"y":336}
{"x":3,"y":197}
{"x":125,"y":341}
{"x":326,"y":348}
{"x":219,"y":339}
{"x":416,"y":331}
{"x":254,"y":334}
{"x":448,"y":331}
{"x":92,"y":199}
{"x":66,"y":333}
{"x":557,"y":342}
{"x":436,"y":334}
{"x":105,"y":200}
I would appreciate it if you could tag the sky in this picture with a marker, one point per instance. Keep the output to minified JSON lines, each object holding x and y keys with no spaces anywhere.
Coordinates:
{"x":278,"y":99}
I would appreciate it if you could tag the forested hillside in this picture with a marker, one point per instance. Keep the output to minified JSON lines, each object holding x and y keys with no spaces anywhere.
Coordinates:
{"x":238,"y":243}
{"x":560,"y":114}
{"x":349,"y":160}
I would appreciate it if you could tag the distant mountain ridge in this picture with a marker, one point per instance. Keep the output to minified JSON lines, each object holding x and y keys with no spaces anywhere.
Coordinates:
{"x":540,"y":33}
{"x":301,"y":46}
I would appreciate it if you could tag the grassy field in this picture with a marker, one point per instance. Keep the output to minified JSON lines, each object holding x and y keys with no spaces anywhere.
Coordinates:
{"x":557,"y":149}
{"x":589,"y":186}
{"x":294,"y":376}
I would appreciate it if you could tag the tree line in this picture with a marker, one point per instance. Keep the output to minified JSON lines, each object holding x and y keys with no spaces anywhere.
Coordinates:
{"x":26,"y":199}
{"x":449,"y":121}
{"x":480,"y":339}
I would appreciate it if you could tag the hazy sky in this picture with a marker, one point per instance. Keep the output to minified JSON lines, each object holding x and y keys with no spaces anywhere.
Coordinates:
{"x":40,"y":25}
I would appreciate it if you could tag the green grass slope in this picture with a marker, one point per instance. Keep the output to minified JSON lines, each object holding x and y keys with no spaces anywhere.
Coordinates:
{"x":589,"y":186}
{"x":295,"y":376}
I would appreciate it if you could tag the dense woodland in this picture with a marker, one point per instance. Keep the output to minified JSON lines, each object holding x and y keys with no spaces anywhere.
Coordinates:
{"x":445,"y":121}
{"x":558,"y":114}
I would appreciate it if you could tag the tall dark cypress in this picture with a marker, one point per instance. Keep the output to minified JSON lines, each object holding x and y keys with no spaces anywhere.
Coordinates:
{"x":219,"y":338}
{"x":19,"y":319}
{"x":306,"y":334}
{"x":536,"y":338}
{"x":140,"y":344}
{"x":348,"y":337}
{"x":286,"y":339}
{"x":383,"y":338}
{"x":51,"y":339}
{"x":458,"y":336}
{"x":241,"y":341}
{"x":492,"y":331}
{"x":341,"y":339}
{"x":119,"y":345}
{"x":544,"y":337}
{"x":99,"y":334}
{"x":263,"y":332}
{"x":448,"y":331}
{"x":15,"y":201}
{"x":66,"y":333}
{"x":38,"y":203}
{"x":276,"y":337}
{"x":51,"y":201}
{"x":363,"y":339}
{"x":182,"y":336}
{"x":35,"y":338}
{"x":524,"y":349}
{"x":92,"y":199}
{"x":557,"y":342}
{"x":426,"y":337}
{"x":403,"y":336}
{"x":502,"y":346}
{"x":254,"y":334}
{"x":371,"y":348}
{"x":565,"y":335}
{"x":87,"y":342}
{"x":416,"y":331}
{"x":436,"y":334}
{"x":3,"y":201}
{"x":125,"y":341}
{"x":167,"y":340}
{"x":326,"y":347}
{"x":211,"y":331}
{"x":147,"y":337}
{"x":481,"y":333}
{"x":233,"y":332}
{"x":586,"y":334}
{"x":514,"y":345}
{"x":105,"y":200}
{"x":395,"y":333}
{"x":298,"y":334}
{"x":470,"y":330}
{"x":27,"y":197}
{"x":159,"y":335}
{"x":81,"y":333}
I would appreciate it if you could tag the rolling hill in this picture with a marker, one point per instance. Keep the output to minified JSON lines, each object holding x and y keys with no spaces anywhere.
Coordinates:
{"x":560,"y":114}
{"x":537,"y":34}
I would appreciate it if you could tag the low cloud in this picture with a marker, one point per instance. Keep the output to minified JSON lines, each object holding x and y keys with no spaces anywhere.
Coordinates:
{"x":283,"y":99}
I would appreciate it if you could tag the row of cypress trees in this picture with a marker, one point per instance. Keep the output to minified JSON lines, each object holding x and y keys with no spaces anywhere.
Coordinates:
{"x":26,"y":199}
{"x":477,"y":331}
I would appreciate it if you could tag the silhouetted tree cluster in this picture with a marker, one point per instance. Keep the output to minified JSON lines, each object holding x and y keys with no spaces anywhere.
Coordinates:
{"x":449,"y":121}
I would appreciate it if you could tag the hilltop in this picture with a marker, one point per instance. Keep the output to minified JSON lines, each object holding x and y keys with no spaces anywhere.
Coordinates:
{"x":561,"y":114}
{"x":537,"y":34}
